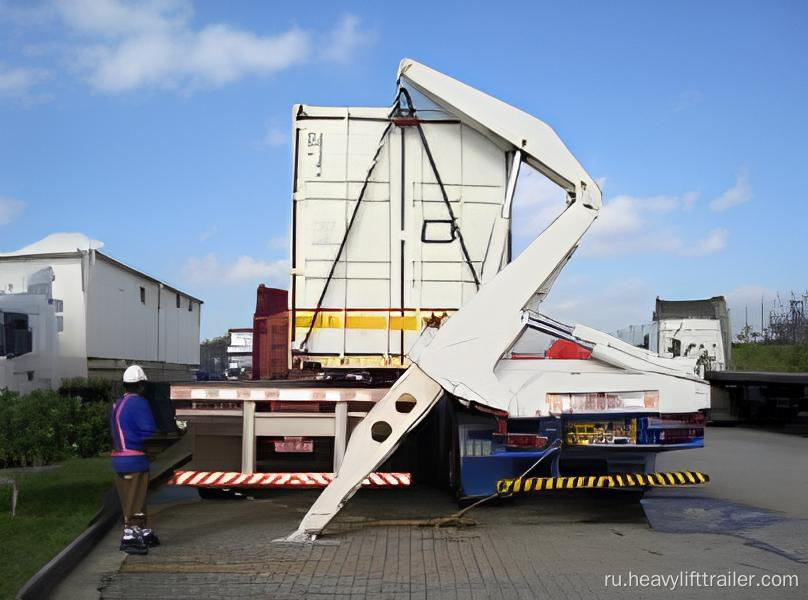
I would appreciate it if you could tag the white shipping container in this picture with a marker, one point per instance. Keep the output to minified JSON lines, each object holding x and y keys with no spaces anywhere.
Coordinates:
{"x":402,"y":261}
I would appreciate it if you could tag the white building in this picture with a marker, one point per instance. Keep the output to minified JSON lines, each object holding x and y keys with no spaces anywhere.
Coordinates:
{"x":106,"y":315}
{"x":239,"y":351}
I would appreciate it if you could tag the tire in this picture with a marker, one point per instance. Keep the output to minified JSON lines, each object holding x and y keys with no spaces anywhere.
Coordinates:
{"x":633,"y":496}
{"x":454,"y":476}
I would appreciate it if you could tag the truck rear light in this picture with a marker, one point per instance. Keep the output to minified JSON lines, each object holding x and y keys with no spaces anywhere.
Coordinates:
{"x":683,"y":428}
{"x":294,"y":444}
{"x":680,"y":419}
{"x":679,"y":436}
{"x":521,"y":441}
{"x":598,"y":402}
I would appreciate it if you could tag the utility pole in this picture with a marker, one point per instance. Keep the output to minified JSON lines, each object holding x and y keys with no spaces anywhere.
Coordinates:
{"x":761,"y":315}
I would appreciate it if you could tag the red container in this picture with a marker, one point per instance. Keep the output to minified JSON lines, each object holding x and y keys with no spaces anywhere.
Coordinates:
{"x":270,"y":301}
{"x":271,"y":334}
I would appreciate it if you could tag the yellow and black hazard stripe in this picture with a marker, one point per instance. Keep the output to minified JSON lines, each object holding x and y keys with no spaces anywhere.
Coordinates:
{"x":622,"y":480}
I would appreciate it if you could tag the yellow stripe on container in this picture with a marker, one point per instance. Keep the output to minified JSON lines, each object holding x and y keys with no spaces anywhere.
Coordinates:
{"x":334,"y":320}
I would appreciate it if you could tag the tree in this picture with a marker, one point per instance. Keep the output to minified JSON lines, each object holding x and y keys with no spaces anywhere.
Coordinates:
{"x":213,"y":355}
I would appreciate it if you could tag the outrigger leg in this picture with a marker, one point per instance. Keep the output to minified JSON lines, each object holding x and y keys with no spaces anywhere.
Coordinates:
{"x":375,"y":438}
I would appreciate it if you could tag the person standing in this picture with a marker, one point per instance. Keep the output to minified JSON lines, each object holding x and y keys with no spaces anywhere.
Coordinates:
{"x":131,"y":424}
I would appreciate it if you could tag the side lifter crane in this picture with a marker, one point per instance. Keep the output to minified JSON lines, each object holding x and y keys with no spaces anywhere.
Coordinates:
{"x":467,"y":356}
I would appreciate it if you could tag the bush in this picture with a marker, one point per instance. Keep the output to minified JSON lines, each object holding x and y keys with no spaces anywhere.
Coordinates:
{"x":786,"y":358}
{"x":44,"y":427}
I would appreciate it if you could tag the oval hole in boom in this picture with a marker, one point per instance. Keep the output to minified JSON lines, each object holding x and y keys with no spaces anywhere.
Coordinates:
{"x":380,"y":431}
{"x":405,"y":403}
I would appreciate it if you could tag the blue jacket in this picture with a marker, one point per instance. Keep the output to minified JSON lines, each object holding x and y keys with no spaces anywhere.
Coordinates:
{"x":131,"y":423}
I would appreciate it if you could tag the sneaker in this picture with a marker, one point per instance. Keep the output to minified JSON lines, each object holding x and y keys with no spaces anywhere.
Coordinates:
{"x":132,"y":541}
{"x":150,"y":538}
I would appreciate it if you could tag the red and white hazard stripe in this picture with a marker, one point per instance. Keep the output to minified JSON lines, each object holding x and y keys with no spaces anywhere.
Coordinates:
{"x":222,"y":479}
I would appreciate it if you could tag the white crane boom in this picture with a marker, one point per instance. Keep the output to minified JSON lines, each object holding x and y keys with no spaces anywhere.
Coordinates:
{"x":541,"y":147}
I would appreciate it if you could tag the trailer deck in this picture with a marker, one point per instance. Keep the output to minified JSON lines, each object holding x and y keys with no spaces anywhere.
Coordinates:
{"x":229,"y":417}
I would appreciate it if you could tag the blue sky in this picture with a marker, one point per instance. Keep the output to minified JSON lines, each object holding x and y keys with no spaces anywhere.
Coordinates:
{"x":161,"y":128}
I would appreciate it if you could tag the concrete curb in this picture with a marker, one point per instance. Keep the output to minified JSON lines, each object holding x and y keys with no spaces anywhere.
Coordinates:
{"x":48,"y":577}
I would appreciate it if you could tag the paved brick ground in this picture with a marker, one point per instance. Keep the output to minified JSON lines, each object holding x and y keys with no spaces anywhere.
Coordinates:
{"x":550,"y":547}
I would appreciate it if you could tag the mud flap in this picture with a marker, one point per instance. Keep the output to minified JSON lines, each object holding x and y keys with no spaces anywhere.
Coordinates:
{"x":372,"y":441}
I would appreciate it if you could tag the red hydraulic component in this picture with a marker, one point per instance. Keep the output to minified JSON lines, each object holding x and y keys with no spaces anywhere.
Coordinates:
{"x":563,"y":349}
{"x":294,"y":444}
{"x":521,"y":441}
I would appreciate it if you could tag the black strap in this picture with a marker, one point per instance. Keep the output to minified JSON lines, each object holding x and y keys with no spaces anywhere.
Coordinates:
{"x":397,"y":109}
{"x":455,"y":226}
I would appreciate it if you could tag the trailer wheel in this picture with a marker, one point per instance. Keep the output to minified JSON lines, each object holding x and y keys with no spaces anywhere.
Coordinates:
{"x":455,"y":480}
{"x":634,"y":495}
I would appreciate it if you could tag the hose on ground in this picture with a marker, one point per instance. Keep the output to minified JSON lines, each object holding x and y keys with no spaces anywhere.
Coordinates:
{"x":458,"y":519}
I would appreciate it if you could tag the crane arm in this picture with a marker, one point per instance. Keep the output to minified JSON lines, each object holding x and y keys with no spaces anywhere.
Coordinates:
{"x":541,"y":147}
{"x":461,"y":356}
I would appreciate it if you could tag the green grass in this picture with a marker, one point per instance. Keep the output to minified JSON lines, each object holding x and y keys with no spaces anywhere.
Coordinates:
{"x":770,"y":357}
{"x":53,"y":507}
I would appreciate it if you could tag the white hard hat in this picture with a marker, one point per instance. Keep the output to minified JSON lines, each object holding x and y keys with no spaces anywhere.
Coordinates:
{"x":134,"y":374}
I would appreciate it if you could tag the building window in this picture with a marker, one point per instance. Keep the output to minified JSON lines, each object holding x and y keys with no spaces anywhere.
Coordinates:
{"x":190,"y":305}
{"x":142,"y":295}
{"x":178,"y":300}
{"x":60,"y":324}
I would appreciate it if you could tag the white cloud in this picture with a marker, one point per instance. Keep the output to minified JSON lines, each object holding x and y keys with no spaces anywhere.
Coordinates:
{"x":343,"y":42}
{"x":115,"y":17}
{"x":630,"y":224}
{"x":214,"y":56}
{"x":209,"y":270}
{"x":10,"y":209}
{"x":689,"y":200}
{"x":18,"y":81}
{"x":153,"y":44}
{"x":247,"y":267}
{"x":740,"y":193}
{"x":626,"y":224}
{"x":714,"y":241}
